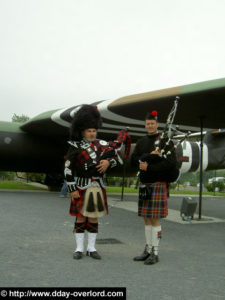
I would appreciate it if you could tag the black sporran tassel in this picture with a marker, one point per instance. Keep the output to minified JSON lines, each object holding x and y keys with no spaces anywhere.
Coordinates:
{"x":99,"y":202}
{"x":91,"y":206}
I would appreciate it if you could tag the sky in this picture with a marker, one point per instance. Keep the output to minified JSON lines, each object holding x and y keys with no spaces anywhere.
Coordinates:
{"x":61,"y":53}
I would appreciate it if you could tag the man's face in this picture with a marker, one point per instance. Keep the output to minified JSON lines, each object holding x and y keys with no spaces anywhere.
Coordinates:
{"x":90,"y":134}
{"x":151,"y":126}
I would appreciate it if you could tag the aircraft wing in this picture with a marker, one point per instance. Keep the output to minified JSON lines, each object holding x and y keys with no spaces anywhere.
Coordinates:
{"x":40,"y":144}
{"x":200,"y":100}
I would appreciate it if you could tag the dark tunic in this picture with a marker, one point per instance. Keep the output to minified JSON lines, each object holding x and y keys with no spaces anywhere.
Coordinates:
{"x":159,"y":168}
{"x":157,"y":176}
{"x":80,"y":169}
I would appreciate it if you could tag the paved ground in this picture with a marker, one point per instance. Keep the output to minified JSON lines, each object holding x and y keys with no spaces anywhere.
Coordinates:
{"x":211,"y":206}
{"x":37,"y":243}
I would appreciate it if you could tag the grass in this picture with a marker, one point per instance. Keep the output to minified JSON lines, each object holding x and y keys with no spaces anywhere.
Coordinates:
{"x":114,"y":189}
{"x":17,"y":185}
{"x":197,"y":193}
{"x":118,"y":189}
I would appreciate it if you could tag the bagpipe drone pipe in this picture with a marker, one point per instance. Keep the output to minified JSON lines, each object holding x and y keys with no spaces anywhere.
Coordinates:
{"x":166,"y":160}
{"x":113,"y":151}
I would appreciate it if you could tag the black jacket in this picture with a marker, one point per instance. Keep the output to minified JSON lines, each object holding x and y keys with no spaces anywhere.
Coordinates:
{"x":82,"y":159}
{"x":160,"y":168}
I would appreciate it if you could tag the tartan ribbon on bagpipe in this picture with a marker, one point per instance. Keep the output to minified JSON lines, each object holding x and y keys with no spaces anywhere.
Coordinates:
{"x":124,"y":138}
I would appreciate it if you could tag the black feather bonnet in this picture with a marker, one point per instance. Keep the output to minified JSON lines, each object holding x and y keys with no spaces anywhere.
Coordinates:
{"x":86,"y":117}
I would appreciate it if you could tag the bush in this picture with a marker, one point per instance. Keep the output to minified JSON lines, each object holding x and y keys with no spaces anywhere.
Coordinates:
{"x":211,"y":187}
{"x":173,"y":185}
{"x":7,"y":175}
{"x":35,"y":177}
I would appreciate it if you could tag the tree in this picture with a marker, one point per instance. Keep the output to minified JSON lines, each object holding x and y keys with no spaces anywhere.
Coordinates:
{"x":20,"y":119}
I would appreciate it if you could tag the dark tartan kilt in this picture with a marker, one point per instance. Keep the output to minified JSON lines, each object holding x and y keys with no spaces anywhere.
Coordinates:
{"x":156,"y":206}
{"x":77,"y":204}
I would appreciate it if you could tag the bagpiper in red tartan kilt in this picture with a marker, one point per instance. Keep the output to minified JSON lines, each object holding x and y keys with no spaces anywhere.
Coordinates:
{"x":86,"y":162}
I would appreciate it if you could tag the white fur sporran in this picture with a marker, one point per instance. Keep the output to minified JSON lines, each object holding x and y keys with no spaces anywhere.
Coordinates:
{"x":94,"y":206}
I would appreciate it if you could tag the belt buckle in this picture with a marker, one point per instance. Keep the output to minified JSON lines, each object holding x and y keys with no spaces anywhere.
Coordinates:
{"x":94,"y":184}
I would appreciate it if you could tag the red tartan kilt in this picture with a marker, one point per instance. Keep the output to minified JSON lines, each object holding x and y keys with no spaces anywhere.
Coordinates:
{"x":156,"y":206}
{"x":77,"y":204}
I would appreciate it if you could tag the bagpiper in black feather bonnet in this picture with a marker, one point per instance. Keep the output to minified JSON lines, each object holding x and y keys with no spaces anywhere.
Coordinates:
{"x":86,"y":117}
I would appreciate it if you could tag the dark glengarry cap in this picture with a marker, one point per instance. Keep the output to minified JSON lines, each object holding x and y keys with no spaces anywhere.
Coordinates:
{"x":86,"y":117}
{"x":152,"y":116}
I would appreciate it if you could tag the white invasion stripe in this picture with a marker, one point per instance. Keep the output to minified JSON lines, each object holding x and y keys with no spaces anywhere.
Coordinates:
{"x":205,"y":156}
{"x":72,"y":113}
{"x":119,"y":127}
{"x":114,"y":131}
{"x":103,"y":108}
{"x":129,"y":127}
{"x":187,"y":151}
{"x":108,"y":131}
{"x":197,"y":134}
{"x":191,"y":128}
{"x":57,"y":119}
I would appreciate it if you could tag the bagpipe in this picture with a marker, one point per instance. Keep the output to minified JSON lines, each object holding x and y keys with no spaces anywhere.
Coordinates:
{"x":114,"y":150}
{"x":165,"y":146}
{"x":122,"y":143}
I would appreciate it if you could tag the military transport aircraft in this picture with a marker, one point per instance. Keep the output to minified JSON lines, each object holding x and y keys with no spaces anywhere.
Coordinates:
{"x":40,"y":144}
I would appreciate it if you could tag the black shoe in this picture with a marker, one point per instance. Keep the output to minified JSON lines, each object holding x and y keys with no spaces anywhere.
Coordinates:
{"x":77,"y":255}
{"x":152,"y":259}
{"x":93,"y":254}
{"x":143,"y":256}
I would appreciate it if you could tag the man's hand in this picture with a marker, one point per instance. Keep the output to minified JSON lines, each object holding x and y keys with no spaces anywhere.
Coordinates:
{"x":155,"y":152}
{"x":143,"y":166}
{"x":75,"y":194}
{"x":103,"y":166}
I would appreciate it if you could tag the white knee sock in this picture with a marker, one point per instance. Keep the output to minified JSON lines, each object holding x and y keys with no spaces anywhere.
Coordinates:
{"x":91,"y":241}
{"x":156,"y":235}
{"x":148,"y":237}
{"x":79,"y":237}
